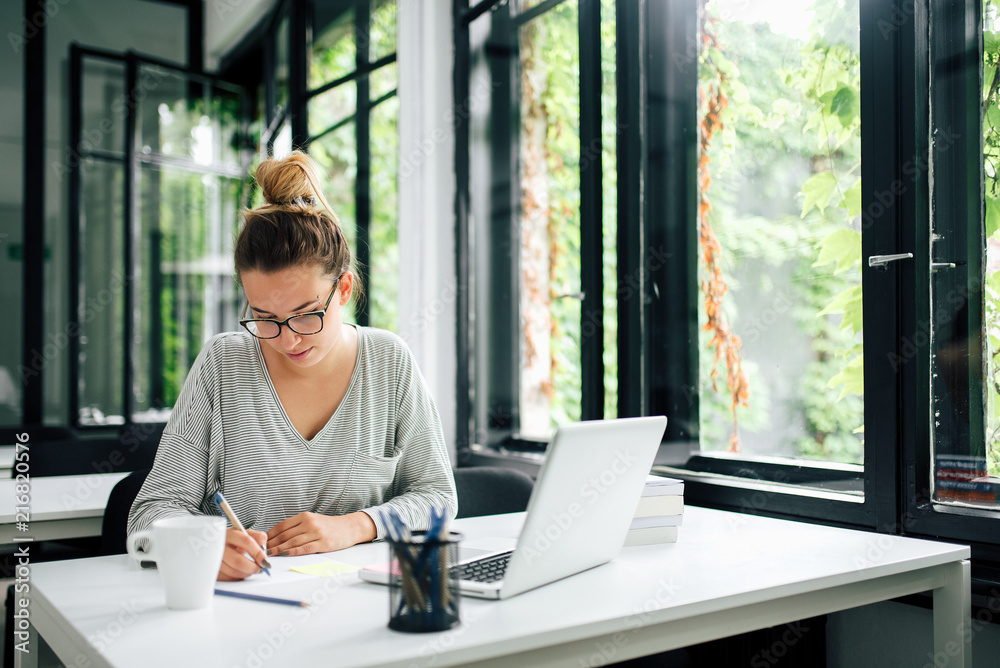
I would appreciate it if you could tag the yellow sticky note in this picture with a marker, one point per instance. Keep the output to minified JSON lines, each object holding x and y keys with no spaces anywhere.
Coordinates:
{"x":326,"y":569}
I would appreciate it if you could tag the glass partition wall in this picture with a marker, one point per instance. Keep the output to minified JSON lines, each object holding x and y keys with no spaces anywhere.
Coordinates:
{"x":155,"y":195}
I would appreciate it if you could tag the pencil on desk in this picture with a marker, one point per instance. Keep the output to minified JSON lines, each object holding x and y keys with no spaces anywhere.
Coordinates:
{"x":223,"y":505}
{"x":258,"y":597}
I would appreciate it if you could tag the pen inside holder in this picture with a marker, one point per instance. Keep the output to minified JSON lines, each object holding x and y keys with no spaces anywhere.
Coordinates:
{"x":423,"y":592}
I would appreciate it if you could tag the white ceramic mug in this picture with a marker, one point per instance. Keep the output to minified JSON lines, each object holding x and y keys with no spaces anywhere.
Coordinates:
{"x":188,"y":553}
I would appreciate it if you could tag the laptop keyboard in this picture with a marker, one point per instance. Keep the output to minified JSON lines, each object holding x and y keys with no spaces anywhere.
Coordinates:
{"x":489,"y":569}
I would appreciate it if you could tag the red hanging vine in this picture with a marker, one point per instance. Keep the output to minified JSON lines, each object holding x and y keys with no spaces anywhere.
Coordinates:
{"x":727,"y":344}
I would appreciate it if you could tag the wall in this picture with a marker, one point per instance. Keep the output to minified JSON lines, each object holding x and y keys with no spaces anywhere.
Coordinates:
{"x":428,"y":289}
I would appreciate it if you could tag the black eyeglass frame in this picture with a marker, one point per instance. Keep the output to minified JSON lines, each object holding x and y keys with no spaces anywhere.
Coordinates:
{"x":286,"y":322}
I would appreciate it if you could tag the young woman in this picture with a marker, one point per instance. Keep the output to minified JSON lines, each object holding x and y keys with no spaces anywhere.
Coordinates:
{"x":308,"y":426}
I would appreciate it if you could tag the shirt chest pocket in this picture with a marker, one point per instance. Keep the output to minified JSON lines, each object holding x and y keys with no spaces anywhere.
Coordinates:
{"x":370,"y":482}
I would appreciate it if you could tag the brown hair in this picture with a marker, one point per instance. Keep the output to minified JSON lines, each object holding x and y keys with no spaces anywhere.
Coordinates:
{"x":290,"y":229}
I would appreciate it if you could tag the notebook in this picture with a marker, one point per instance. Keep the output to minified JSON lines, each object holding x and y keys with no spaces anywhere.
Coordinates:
{"x":578,"y":514}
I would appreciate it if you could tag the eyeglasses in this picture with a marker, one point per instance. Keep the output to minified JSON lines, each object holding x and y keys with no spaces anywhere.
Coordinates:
{"x":303,"y":323}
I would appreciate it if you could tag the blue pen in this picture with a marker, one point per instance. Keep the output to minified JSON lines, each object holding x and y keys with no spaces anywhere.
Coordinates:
{"x":220,"y":501}
{"x":257,"y":597}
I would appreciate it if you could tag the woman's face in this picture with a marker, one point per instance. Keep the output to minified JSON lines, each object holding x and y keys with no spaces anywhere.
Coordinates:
{"x":282,"y":294}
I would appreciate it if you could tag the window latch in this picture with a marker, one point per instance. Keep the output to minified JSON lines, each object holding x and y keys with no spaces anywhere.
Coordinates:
{"x":882,"y":260}
{"x":935,"y":266}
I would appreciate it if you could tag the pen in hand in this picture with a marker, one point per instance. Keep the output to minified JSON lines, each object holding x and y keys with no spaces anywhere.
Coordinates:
{"x":220,"y":501}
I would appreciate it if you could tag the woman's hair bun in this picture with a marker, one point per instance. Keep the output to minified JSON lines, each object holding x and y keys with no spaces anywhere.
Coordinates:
{"x":290,"y":181}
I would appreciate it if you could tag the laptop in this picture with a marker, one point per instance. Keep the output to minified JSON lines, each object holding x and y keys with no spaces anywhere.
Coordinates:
{"x":578,"y":514}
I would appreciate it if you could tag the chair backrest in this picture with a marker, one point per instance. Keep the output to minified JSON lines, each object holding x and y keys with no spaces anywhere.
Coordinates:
{"x":114,"y":527}
{"x":491,"y":490}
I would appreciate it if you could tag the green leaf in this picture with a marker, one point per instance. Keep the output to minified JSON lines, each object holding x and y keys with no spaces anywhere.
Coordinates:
{"x":992,"y":216}
{"x":854,"y":313}
{"x":852,"y":199}
{"x":842,"y":247}
{"x":852,"y":378}
{"x":849,"y":303}
{"x":818,"y":191}
{"x":991,"y":42}
{"x":845,"y":105}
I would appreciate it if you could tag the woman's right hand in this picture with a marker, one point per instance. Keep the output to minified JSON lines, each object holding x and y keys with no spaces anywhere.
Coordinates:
{"x":244,"y":555}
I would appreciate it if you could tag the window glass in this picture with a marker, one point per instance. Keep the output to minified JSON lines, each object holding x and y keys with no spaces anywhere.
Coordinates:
{"x":333,"y":53}
{"x":549,"y":221}
{"x":103,"y":105}
{"x":383,"y":81}
{"x":187,"y":119}
{"x":330,"y":109}
{"x":964,"y":264}
{"x":189,"y":221}
{"x":609,"y":158}
{"x":382,"y":33}
{"x":102,"y":293}
{"x":779,"y":228}
{"x":337,"y":155}
{"x":188,"y":179}
{"x":281,"y":65}
{"x":383,"y":273}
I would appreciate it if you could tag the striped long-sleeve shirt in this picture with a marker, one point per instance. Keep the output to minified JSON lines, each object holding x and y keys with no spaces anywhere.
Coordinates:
{"x":228,"y":432}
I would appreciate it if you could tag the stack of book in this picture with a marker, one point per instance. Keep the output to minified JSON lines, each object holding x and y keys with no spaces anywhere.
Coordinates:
{"x":659,"y":512}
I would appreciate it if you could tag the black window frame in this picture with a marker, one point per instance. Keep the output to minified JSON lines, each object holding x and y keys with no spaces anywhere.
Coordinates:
{"x":132,"y":162}
{"x":652,"y":352}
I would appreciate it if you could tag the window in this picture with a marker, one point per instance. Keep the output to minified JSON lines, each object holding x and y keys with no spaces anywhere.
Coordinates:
{"x":779,"y":224}
{"x":791,"y":208}
{"x":353,"y":112}
{"x":545,"y":307}
{"x":155,"y":199}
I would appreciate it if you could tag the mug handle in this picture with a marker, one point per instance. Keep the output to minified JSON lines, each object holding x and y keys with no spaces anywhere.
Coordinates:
{"x":135,"y":552}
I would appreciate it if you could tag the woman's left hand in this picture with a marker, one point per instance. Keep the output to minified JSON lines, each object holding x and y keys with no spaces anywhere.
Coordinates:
{"x":309,"y":533}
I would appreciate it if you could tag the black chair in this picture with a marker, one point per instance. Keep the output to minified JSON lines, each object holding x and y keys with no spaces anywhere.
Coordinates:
{"x":491,"y":490}
{"x":114,"y":527}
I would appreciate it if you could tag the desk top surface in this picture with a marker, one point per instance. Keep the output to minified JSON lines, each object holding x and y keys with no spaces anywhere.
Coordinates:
{"x":59,"y":497}
{"x":721,"y":561}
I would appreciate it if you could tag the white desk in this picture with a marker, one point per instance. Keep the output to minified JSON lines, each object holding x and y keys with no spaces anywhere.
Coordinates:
{"x":67,"y":506}
{"x":727,"y":574}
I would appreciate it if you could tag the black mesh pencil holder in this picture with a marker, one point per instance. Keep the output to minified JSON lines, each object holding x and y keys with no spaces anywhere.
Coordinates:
{"x":423,"y":592}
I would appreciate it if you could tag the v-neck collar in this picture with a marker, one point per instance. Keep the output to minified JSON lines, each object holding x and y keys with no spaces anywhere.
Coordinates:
{"x":274,"y":392}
